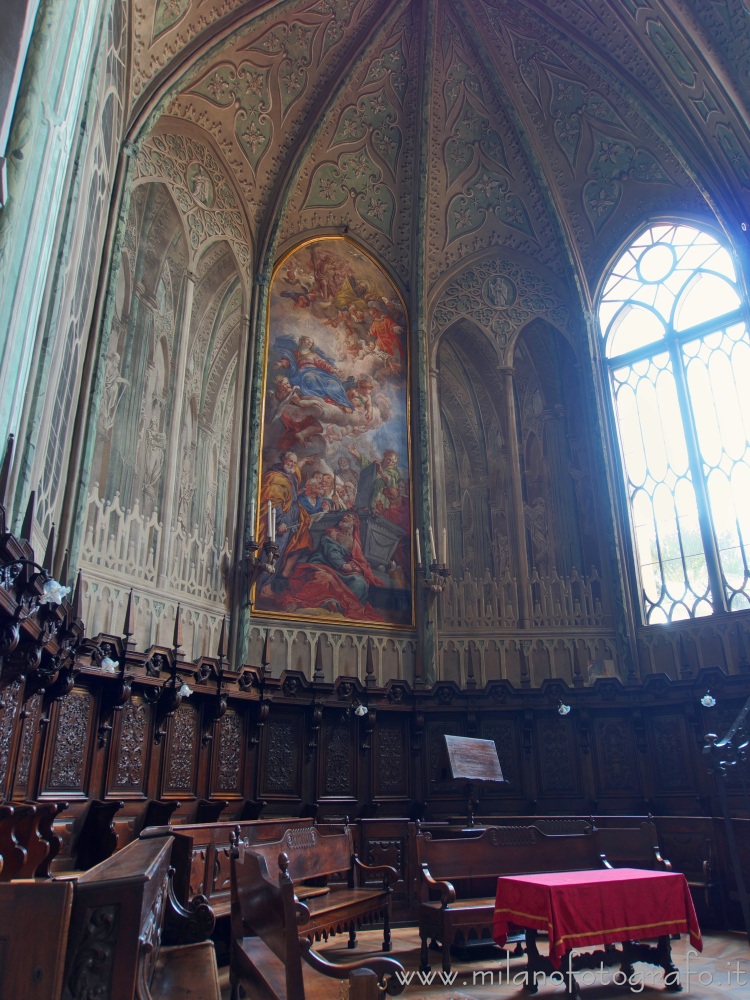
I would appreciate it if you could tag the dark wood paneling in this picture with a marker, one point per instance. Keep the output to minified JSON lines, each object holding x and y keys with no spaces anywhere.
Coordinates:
{"x":391,"y":765}
{"x":228,"y":758}
{"x":281,"y":756}
{"x":180,"y":759}
{"x":558,"y":763}
{"x":67,"y":764}
{"x":615,"y":757}
{"x":131,"y":750}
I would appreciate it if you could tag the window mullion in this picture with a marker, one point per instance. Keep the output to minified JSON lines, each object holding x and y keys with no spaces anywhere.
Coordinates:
{"x":699,"y":483}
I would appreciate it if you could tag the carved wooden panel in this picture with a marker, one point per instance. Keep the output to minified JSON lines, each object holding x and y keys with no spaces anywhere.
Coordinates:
{"x":557,"y":758}
{"x":28,"y":738}
{"x":337,"y":762}
{"x":198,"y":872}
{"x":8,"y":714}
{"x":222,"y":871}
{"x":181,"y":751}
{"x":227,"y":761}
{"x":281,"y":757}
{"x":437,"y":761}
{"x":670,"y":754}
{"x":92,"y":958}
{"x":505,"y":734}
{"x":73,"y":725}
{"x":615,"y":757}
{"x":390,"y":757}
{"x":132,"y":746}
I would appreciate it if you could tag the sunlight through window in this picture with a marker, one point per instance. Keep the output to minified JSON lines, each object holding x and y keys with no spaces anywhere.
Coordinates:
{"x":678,"y":354}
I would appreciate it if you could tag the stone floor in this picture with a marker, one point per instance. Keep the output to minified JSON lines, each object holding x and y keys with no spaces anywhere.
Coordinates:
{"x":720,"y":972}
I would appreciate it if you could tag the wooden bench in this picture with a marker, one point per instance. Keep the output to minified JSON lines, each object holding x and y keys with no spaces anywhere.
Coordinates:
{"x":28,"y":842}
{"x":631,"y":847}
{"x":201,"y":855}
{"x":121,"y":910}
{"x":459,"y":877}
{"x":269,"y":960}
{"x":339,"y":891}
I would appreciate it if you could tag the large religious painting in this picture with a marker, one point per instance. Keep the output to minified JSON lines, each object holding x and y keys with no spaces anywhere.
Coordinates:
{"x":335,"y":473}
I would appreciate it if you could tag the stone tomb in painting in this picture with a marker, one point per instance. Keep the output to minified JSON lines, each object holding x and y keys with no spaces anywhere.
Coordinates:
{"x":379,"y":538}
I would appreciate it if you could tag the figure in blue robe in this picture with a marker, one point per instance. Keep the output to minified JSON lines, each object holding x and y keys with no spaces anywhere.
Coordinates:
{"x":312,"y":371}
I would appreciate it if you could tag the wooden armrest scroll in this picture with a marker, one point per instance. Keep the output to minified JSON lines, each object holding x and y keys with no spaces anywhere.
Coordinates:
{"x":386,"y":969}
{"x":446,"y":890}
{"x":389,"y":873}
{"x":186,"y":924}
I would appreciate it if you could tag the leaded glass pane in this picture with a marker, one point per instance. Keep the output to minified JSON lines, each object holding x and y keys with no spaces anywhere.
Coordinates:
{"x":665,"y":517}
{"x":668,"y":268}
{"x":718,"y":369}
{"x":684,"y":418}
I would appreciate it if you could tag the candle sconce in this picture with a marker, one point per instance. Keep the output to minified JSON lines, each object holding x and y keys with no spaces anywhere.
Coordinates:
{"x":216,"y":709}
{"x":259,"y":561}
{"x":435,"y":576}
{"x":120,"y":694}
{"x":174,"y":689}
{"x":257,"y":564}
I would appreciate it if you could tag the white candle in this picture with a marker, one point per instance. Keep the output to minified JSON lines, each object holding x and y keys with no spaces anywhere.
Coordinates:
{"x":445,"y":546}
{"x":419,"y":548}
{"x":432,"y":545}
{"x":270,"y":522}
{"x":273,"y":525}
{"x":252,"y":518}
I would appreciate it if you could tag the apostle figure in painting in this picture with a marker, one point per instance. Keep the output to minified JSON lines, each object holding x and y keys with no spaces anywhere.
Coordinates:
{"x":379,"y":483}
{"x":336,"y":578}
{"x":280,"y":488}
{"x":312,"y":371}
{"x":340,"y":549}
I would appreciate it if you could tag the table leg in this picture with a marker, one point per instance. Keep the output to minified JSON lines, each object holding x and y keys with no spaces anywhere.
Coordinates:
{"x":539,"y":969}
{"x":661,"y":955}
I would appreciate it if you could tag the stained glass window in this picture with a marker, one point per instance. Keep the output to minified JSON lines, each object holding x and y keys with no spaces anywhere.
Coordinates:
{"x":675,"y":338}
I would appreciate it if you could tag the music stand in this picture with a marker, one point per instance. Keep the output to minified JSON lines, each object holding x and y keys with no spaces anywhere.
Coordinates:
{"x":473,"y":761}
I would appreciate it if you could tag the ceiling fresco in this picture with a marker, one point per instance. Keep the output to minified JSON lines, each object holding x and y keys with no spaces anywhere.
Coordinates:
{"x":548,"y":130}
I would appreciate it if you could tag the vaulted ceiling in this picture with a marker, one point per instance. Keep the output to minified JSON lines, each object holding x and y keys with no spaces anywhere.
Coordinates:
{"x":440,"y":129}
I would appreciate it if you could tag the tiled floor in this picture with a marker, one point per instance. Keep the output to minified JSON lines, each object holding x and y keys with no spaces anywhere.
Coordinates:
{"x":722,"y":971}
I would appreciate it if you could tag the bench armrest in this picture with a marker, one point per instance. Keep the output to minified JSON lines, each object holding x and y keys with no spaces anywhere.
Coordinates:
{"x":186,"y":924}
{"x":388,"y":872}
{"x":446,"y":890}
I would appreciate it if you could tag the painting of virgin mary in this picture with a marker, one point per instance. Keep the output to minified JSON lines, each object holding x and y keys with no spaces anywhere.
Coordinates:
{"x":335,"y":430}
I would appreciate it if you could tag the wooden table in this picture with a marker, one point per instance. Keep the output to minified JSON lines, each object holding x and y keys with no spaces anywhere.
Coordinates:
{"x":578,"y":909}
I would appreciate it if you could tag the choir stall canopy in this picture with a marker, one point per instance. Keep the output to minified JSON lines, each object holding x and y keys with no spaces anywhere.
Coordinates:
{"x":475,"y":762}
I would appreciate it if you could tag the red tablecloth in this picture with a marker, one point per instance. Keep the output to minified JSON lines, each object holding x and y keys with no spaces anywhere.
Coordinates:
{"x":580,"y":909}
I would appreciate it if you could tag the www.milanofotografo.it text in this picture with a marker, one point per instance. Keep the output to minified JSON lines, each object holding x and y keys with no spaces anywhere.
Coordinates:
{"x":730,"y":974}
